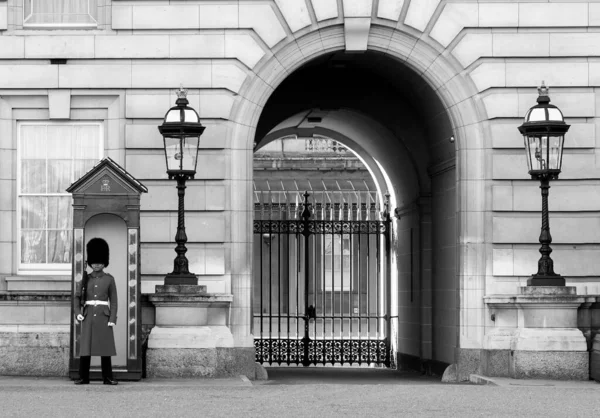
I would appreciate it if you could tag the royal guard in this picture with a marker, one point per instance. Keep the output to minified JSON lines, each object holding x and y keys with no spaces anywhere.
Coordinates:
{"x":96,"y":307}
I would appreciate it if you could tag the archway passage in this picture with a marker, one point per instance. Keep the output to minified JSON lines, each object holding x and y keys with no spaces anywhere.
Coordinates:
{"x":395,"y":122}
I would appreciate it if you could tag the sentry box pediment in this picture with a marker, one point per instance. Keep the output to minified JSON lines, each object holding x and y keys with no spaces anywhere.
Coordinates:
{"x":107,"y":178}
{"x":107,"y":188}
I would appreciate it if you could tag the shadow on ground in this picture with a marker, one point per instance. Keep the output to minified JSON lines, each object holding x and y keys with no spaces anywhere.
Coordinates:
{"x":345,"y":375}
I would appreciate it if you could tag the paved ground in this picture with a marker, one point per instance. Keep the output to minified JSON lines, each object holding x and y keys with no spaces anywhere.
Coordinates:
{"x":300,"y":393}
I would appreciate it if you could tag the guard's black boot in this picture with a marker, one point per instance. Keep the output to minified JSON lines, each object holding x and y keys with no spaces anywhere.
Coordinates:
{"x":108,"y":381}
{"x":82,"y":382}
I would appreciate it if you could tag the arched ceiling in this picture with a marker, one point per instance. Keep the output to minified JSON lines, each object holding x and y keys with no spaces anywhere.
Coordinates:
{"x":411,"y":120}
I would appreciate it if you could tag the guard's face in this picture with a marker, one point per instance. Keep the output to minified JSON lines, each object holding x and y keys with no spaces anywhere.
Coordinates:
{"x":97,"y":267}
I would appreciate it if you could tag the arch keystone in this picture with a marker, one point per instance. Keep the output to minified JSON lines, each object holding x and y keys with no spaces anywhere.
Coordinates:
{"x":356,"y":33}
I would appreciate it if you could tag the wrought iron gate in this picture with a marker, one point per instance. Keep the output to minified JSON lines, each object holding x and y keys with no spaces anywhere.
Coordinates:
{"x":320,"y":283}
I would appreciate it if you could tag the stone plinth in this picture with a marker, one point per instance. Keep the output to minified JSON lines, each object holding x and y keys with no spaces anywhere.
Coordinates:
{"x":595,"y":359}
{"x":192,"y":336}
{"x":537,"y":329}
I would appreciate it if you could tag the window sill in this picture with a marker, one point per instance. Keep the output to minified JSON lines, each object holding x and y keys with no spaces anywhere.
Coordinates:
{"x":56,"y":26}
{"x":38,"y":283}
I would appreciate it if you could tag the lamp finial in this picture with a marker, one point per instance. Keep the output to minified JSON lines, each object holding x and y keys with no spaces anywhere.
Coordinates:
{"x":543,"y":94}
{"x":181,"y":93}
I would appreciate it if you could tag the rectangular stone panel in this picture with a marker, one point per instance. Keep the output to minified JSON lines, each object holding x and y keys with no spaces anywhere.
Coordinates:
{"x":150,"y":104}
{"x":176,"y":16}
{"x":505,"y":134}
{"x":199,"y":226}
{"x":570,"y":261}
{"x":553,"y":14}
{"x":513,"y":166}
{"x":167,"y":75}
{"x":572,"y":102}
{"x":565,"y":196}
{"x":149,"y":137}
{"x":565,"y":228}
{"x":197,"y":46}
{"x":521,"y":44}
{"x":554,"y":73}
{"x":203,"y":259}
{"x":219,"y":16}
{"x":134,"y":46}
{"x":95,"y":76}
{"x":575,"y":44}
{"x":15,"y":314}
{"x":199,"y":195}
{"x":153,"y":166}
{"x":498,"y":15}
{"x":59,"y":46}
{"x":28,"y":76}
{"x":3,"y":16}
{"x":122,"y":16}
{"x":12,"y":47}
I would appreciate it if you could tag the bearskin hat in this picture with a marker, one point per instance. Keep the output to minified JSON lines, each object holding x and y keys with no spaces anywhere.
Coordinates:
{"x":97,"y":252}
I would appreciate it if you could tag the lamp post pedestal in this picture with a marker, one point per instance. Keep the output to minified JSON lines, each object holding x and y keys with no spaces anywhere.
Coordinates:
{"x":192,"y":336}
{"x":535,"y":335}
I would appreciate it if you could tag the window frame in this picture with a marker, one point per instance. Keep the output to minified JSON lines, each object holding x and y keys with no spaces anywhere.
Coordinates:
{"x":94,"y":25}
{"x":45,"y":268}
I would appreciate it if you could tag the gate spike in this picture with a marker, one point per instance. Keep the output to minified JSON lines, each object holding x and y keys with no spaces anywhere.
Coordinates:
{"x":306,"y":211}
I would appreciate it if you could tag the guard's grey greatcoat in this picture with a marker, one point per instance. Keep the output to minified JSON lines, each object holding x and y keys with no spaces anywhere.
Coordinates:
{"x":97,"y":338}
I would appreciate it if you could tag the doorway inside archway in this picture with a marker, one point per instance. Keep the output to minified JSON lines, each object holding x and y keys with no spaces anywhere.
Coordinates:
{"x":321,"y":256}
{"x":400,"y":133}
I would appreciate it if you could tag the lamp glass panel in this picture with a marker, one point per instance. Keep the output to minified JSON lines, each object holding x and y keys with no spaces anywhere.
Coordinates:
{"x":173,"y":153}
{"x":173,"y":115}
{"x":190,"y":116}
{"x":537,"y":114}
{"x":555,"y":152}
{"x":534,"y":152}
{"x":555,"y":114}
{"x":190,"y":152}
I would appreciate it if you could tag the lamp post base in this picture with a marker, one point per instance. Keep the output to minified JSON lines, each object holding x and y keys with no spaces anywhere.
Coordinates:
{"x":189,"y":279}
{"x":542,"y":280}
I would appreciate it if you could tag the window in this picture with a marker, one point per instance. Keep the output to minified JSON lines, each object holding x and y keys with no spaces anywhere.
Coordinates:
{"x":337,"y":263}
{"x":60,"y":13}
{"x":51,"y":156}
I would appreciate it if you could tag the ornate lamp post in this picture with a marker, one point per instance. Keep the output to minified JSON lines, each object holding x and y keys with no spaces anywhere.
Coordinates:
{"x":544,"y":131}
{"x":181,"y":131}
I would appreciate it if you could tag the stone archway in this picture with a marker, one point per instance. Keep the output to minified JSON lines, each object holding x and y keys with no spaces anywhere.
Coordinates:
{"x":450,"y":95}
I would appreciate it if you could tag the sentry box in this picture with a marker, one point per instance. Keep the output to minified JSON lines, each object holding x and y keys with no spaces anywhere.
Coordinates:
{"x":106,"y":204}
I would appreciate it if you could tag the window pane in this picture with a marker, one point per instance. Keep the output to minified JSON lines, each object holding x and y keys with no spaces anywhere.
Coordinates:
{"x":60,"y":212}
{"x":59,"y":246}
{"x":60,"y":11}
{"x":87,"y":142}
{"x":81,"y":167}
{"x":33,"y":212}
{"x":59,"y":175}
{"x":33,"y":246}
{"x":33,"y":176}
{"x":33,"y":142}
{"x":59,"y":142}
